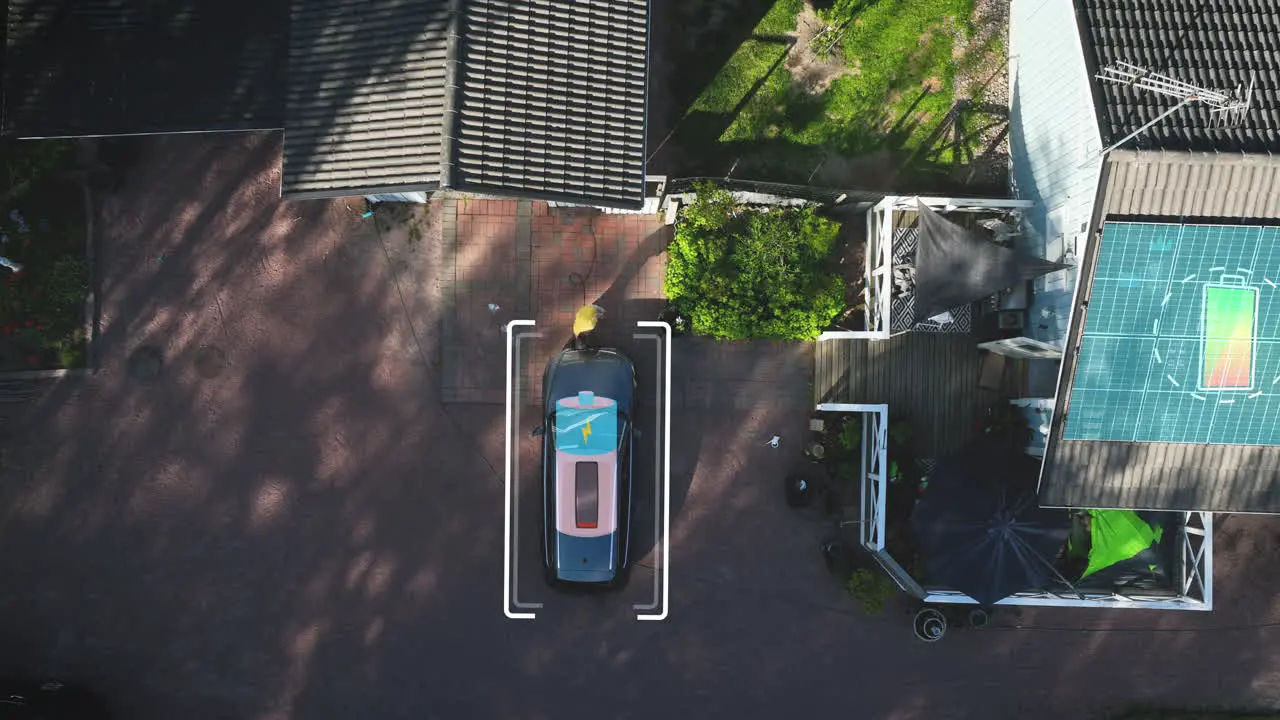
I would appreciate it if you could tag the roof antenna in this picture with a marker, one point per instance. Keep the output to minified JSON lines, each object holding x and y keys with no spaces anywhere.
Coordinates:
{"x":1227,"y":108}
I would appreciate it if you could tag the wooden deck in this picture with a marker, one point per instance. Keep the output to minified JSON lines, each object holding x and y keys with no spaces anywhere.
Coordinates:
{"x":928,"y":379}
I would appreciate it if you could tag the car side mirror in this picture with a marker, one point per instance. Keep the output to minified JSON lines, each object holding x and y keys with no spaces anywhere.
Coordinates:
{"x":539,"y":431}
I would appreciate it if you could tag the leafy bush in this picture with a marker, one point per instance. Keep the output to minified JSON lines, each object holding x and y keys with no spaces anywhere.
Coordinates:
{"x":851,"y":436}
{"x":42,"y":224}
{"x":28,"y":161}
{"x":67,"y":283}
{"x":871,"y":588}
{"x":738,"y":272}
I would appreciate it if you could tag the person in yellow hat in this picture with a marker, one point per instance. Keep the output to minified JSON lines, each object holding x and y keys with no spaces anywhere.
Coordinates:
{"x":584,"y":323}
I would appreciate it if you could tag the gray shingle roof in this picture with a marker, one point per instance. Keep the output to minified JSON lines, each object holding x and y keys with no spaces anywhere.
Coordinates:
{"x":1186,"y":184}
{"x":550,"y":95}
{"x":1168,"y":186}
{"x":1163,"y":476}
{"x":112,"y":67}
{"x":551,"y":100}
{"x":366,"y":96}
{"x":1218,"y":44}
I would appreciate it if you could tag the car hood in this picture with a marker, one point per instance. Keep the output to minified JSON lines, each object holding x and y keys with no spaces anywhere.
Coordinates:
{"x":607,"y":373}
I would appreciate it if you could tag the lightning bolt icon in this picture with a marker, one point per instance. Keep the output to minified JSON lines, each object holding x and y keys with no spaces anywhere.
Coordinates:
{"x":586,"y":432}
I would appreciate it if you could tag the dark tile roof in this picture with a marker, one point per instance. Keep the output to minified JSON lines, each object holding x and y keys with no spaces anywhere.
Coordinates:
{"x":1163,"y":476}
{"x":534,"y":98}
{"x":366,"y":96}
{"x":1193,"y":185}
{"x":1163,"y":187}
{"x":89,"y":67}
{"x":551,"y":100}
{"x":1218,"y":44}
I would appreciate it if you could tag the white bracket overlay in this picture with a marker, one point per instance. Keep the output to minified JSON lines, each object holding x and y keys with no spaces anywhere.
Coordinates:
{"x":508,"y":591}
{"x":665,"y":570}
{"x":511,"y":492}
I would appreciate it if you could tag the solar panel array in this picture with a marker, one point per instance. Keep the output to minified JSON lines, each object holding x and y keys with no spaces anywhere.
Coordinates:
{"x":1181,"y":339}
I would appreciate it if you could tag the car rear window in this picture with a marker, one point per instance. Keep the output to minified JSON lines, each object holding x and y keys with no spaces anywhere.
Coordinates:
{"x":586,"y":494}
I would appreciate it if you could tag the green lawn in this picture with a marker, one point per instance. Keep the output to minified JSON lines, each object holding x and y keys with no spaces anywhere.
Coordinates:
{"x":898,"y":87}
{"x":751,"y":62}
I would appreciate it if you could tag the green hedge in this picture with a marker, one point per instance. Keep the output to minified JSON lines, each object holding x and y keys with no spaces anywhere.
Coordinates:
{"x":736,"y":272}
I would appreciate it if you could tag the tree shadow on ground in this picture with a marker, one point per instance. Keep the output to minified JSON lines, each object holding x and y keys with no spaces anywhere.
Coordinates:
{"x":872,"y":148}
{"x":945,"y":164}
{"x":690,"y":40}
{"x":302,"y":532}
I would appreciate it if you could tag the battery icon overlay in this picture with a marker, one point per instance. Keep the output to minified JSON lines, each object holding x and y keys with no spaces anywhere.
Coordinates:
{"x":1230,"y":326}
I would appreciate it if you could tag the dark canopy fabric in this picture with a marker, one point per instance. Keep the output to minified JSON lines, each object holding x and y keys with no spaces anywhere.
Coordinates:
{"x":955,"y":266}
{"x":979,"y":527}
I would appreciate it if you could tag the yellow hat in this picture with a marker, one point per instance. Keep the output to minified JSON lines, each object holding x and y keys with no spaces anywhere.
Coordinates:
{"x":585,"y":320}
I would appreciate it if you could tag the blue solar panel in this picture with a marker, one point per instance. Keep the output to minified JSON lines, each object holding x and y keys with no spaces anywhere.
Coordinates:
{"x":1182,"y":337}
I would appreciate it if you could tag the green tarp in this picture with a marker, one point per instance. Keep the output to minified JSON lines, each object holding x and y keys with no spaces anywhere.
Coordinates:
{"x":1117,"y":536}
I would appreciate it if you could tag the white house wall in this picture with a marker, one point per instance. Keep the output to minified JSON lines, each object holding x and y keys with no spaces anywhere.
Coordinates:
{"x":1054,"y":145}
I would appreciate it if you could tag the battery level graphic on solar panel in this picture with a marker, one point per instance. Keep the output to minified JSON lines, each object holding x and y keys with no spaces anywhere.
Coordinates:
{"x":1230,"y":329}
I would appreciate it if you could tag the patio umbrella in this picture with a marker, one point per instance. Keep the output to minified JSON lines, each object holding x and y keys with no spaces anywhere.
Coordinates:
{"x":979,"y":527}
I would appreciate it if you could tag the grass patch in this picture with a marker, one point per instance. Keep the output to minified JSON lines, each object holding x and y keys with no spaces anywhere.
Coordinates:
{"x":781,"y":18}
{"x":905,"y":81}
{"x":897,"y":86}
{"x":750,"y":63}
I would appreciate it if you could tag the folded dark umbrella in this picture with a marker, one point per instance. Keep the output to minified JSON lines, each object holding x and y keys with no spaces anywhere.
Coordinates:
{"x":979,"y":527}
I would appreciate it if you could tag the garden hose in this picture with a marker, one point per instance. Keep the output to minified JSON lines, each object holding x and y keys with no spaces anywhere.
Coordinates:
{"x":579,"y":279}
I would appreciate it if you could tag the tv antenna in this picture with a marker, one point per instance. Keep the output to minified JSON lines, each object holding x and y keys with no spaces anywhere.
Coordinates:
{"x":1226,"y":108}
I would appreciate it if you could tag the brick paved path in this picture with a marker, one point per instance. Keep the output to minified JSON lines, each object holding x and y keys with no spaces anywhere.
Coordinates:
{"x":510,"y":260}
{"x":303,"y":531}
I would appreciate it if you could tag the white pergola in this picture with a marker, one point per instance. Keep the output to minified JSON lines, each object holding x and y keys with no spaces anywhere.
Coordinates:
{"x":1194,"y":590}
{"x":881,"y":228}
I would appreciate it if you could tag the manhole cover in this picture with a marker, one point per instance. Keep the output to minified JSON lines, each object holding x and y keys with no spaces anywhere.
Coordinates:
{"x":210,"y":361}
{"x":145,"y":363}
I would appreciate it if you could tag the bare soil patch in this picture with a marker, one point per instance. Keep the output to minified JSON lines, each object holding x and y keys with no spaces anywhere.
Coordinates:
{"x":817,"y":60}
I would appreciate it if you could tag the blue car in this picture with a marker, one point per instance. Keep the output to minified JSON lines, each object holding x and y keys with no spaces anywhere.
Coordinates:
{"x":588,"y":399}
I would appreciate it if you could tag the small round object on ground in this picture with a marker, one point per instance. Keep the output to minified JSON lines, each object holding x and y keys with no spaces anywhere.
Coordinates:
{"x":210,"y":361}
{"x":978,"y":618}
{"x":929,"y":625}
{"x":799,"y":491}
{"x":145,"y":363}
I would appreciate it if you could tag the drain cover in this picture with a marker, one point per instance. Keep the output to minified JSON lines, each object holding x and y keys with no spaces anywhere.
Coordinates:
{"x":145,"y":363}
{"x":210,"y":361}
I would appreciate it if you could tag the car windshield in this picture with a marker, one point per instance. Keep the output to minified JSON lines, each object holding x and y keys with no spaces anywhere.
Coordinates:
{"x":587,"y":425}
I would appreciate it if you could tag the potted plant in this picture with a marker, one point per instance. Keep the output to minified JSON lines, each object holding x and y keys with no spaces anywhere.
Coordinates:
{"x":929,"y":624}
{"x":871,"y":588}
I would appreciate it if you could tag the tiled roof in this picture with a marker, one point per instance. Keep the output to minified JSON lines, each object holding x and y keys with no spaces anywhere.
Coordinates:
{"x":366,"y":96}
{"x":1173,"y":187}
{"x":543,"y":99}
{"x":1217,"y":44}
{"x":551,"y":100}
{"x":1191,"y":185}
{"x":106,"y":67}
{"x":1162,"y":476}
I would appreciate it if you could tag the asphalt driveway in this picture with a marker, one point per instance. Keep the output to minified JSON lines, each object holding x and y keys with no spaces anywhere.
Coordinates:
{"x":286,"y":521}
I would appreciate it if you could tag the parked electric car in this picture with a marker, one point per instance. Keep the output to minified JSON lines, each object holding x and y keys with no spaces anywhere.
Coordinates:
{"x":588,"y":399}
